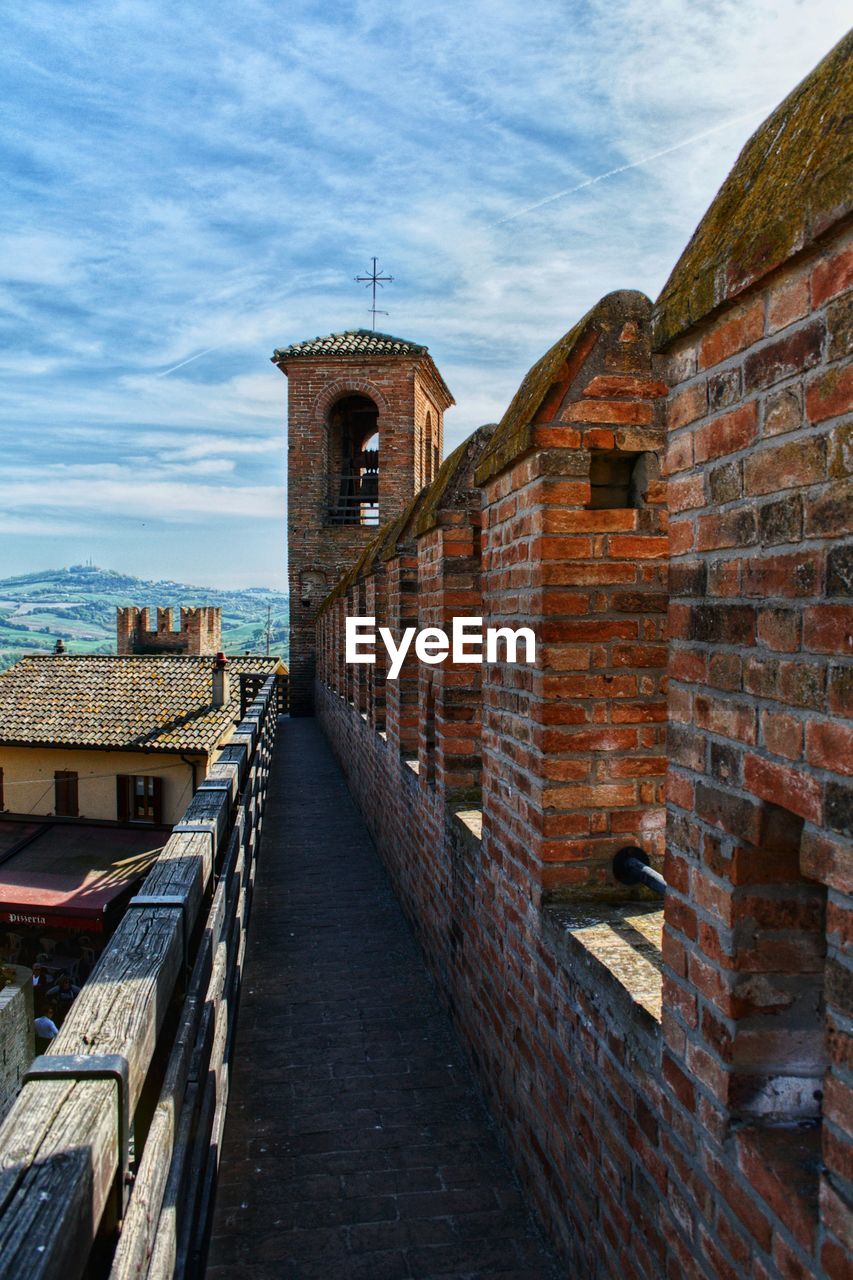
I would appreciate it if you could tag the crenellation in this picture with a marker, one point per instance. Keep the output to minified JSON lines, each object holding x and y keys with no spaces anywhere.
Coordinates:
{"x":665,"y":503}
{"x":200,"y":632}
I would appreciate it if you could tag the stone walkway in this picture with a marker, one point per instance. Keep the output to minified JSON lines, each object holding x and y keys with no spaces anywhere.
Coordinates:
{"x":356,"y":1144}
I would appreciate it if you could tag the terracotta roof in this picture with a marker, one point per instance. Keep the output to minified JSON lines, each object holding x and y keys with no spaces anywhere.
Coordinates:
{"x":791,"y":183}
{"x":160,"y":703}
{"x":353,"y":342}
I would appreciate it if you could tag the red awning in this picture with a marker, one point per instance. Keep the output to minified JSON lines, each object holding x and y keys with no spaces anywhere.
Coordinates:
{"x":32,"y":900}
{"x":66,"y":876}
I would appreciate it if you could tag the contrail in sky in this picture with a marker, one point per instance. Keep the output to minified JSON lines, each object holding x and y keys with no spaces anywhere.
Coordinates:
{"x":656,"y":155}
{"x":309,"y":277}
{"x":165,"y":372}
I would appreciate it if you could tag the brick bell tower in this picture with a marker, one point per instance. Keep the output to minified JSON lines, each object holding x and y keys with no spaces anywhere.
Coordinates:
{"x":365,"y":434}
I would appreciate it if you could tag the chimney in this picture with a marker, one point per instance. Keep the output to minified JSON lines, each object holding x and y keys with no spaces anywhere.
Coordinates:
{"x":221,"y":681}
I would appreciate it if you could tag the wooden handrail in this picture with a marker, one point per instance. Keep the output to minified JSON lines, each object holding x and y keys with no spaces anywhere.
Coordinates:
{"x":59,"y":1150}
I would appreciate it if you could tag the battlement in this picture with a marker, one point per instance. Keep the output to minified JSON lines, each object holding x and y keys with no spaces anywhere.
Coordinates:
{"x":666,"y":502}
{"x":199,"y":633}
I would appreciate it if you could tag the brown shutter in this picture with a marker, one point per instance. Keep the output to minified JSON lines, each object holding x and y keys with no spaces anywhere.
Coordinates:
{"x":157,"y":799}
{"x":2,"y":806}
{"x":65,"y":793}
{"x":123,"y":786}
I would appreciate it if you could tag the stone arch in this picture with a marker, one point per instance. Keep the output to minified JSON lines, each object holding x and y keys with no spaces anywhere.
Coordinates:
{"x":352,"y":430}
{"x":348,"y":387}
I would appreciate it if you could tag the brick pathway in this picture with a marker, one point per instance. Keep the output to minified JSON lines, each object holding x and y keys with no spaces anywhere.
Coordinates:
{"x":356,"y":1144}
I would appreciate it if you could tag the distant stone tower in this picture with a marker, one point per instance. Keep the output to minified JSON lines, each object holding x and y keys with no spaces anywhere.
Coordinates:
{"x":365,"y":433}
{"x":200,"y":633}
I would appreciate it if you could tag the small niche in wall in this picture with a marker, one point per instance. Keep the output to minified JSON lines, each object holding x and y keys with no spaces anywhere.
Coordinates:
{"x":620,"y":479}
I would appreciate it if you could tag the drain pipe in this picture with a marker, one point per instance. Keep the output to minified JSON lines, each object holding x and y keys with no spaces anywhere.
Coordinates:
{"x":631,"y":866}
{"x":193,"y":765}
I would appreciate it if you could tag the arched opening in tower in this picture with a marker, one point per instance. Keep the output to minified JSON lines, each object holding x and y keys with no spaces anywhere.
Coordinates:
{"x":354,"y":461}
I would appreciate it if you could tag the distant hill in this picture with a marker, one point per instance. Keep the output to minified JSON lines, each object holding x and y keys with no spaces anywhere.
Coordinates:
{"x":79,"y":604}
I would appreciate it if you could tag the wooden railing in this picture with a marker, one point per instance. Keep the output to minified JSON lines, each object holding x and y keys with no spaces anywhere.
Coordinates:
{"x":108,"y":1165}
{"x":251,"y":683}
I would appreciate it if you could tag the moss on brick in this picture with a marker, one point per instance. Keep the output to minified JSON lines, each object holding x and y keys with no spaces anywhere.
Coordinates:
{"x":514,"y":434}
{"x":790,"y":184}
{"x":454,"y":477}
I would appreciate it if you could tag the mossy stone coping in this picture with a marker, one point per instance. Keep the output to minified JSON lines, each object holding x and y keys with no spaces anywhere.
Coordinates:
{"x":514,"y":434}
{"x":792,"y":182}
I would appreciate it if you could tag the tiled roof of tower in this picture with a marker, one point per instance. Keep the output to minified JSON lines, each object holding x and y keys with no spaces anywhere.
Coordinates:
{"x":353,"y":342}
{"x":161,"y":703}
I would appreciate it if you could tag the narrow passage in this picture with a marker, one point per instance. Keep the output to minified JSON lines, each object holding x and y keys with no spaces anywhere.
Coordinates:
{"x":356,"y":1145}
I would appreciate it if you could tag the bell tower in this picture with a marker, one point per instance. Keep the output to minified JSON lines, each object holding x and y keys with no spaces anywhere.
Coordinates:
{"x":365,"y":433}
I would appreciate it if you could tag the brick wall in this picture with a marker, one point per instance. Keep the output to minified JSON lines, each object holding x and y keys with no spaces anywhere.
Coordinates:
{"x":574,"y":546}
{"x":758,"y":981}
{"x":680,"y":1110}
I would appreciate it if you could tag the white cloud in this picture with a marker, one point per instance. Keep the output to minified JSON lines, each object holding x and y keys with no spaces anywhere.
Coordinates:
{"x":40,"y":257}
{"x":179,"y":210}
{"x":154,"y":499}
{"x":39,"y":527}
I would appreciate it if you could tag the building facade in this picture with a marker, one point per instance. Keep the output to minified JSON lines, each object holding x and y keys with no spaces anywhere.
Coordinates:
{"x":116,"y":739}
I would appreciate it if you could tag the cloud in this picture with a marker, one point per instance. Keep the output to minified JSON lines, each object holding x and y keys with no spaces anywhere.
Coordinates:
{"x":120,"y":498}
{"x":38,"y":527}
{"x":40,"y":258}
{"x":202,"y":447}
{"x":173,"y":217}
{"x":632,"y":164}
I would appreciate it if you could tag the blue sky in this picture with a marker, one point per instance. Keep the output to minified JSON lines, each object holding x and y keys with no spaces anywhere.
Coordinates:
{"x":188,"y":186}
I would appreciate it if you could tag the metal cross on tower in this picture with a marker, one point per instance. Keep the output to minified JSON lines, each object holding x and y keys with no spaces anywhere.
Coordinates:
{"x":374,"y":279}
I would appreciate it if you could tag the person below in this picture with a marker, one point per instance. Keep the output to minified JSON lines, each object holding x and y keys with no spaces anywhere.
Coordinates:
{"x":45,"y":1028}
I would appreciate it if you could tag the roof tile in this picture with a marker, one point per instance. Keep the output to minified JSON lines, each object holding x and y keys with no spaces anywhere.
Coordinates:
{"x":158,"y":703}
{"x":353,"y":342}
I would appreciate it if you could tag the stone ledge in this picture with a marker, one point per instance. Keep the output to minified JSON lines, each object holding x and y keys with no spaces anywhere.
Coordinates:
{"x":613,"y":950}
{"x":471,"y":820}
{"x":466,"y":831}
{"x":605,"y":946}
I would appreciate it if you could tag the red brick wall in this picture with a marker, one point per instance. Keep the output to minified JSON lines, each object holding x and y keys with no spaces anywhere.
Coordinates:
{"x":643,"y":1142}
{"x":699,"y":1126}
{"x":200,"y":631}
{"x":580,"y":732}
{"x":758,"y":979}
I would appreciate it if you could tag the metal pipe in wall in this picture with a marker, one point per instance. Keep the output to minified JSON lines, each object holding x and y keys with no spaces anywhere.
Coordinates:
{"x":631,"y":866}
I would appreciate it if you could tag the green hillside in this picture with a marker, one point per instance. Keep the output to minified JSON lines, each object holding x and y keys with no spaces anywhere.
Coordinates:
{"x":78,"y":605}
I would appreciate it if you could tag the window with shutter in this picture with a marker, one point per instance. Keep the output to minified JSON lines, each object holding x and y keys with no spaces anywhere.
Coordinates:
{"x":139,"y":798}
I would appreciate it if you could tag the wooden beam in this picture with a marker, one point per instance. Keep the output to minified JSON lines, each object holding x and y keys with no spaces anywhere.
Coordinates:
{"x":59,"y":1143}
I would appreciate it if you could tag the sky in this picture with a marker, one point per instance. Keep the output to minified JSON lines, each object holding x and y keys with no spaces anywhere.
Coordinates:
{"x":186,"y":187}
